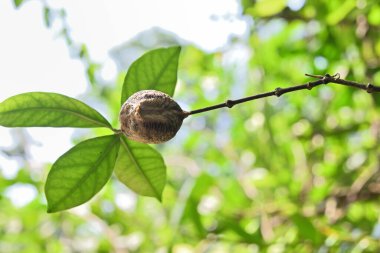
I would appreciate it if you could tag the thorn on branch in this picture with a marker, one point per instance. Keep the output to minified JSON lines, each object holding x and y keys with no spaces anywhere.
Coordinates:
{"x":327,"y":78}
{"x":370,"y":88}
{"x":315,"y":76}
{"x":336,"y":76}
{"x":278,"y":92}
{"x":229,"y":103}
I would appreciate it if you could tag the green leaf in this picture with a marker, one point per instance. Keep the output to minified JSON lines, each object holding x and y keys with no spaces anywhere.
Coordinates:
{"x":306,"y":228}
{"x":81,"y":172}
{"x":155,"y":70}
{"x":339,"y":14}
{"x":47,"y":17}
{"x":43,"y":109}
{"x":17,"y":3}
{"x":374,"y":16}
{"x":266,"y":8}
{"x":141,"y":168}
{"x":225,"y":223}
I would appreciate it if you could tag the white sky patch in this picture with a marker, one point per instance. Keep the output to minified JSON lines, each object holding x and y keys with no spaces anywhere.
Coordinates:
{"x":105,"y":24}
{"x":50,"y":143}
{"x":126,"y":202}
{"x":8,"y":167}
{"x":21,"y":194}
{"x":31,"y":58}
{"x":5,"y":138}
{"x":296,"y":5}
{"x":109,"y":70}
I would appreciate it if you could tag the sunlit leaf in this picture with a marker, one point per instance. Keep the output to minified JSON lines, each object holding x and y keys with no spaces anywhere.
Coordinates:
{"x":17,"y":3}
{"x":141,"y":168}
{"x":91,"y":70}
{"x":374,"y":16}
{"x":155,"y":70}
{"x":306,"y":228}
{"x":233,"y":225}
{"x":47,"y":17}
{"x":339,"y":14}
{"x":81,"y":172}
{"x":43,"y":109}
{"x":266,"y":8}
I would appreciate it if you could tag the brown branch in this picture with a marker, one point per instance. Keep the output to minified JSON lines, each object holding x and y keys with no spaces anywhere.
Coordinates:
{"x":370,"y":88}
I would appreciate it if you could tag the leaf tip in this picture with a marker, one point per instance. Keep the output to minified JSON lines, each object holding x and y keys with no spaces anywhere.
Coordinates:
{"x":52,"y":207}
{"x":177,"y":47}
{"x":50,"y":210}
{"x":158,"y":196}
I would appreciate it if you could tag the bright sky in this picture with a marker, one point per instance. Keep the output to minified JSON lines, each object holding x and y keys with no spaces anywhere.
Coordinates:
{"x":34,"y":58}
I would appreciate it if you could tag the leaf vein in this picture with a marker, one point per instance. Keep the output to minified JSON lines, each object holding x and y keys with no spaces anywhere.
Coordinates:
{"x":139,"y":167}
{"x":87,"y":174}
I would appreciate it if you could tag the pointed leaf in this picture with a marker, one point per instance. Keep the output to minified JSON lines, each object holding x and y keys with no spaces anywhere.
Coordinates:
{"x":81,"y":172}
{"x":155,"y":70}
{"x":141,"y":168}
{"x":266,"y":8}
{"x":17,"y":3}
{"x":306,"y":228}
{"x":44,"y":109}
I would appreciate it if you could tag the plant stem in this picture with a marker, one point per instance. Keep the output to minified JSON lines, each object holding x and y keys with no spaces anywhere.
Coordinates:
{"x":370,"y":88}
{"x":116,"y":131}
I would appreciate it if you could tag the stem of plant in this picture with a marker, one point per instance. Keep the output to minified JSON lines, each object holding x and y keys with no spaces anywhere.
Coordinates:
{"x":370,"y":88}
{"x":116,"y":131}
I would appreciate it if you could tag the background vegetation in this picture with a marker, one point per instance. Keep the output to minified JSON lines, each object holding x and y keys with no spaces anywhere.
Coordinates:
{"x":297,"y":173}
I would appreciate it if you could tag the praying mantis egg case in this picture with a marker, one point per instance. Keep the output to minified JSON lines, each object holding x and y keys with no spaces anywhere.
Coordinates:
{"x":151,"y":116}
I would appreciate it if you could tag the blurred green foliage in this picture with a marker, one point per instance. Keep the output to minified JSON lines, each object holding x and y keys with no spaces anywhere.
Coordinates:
{"x":299,"y":173}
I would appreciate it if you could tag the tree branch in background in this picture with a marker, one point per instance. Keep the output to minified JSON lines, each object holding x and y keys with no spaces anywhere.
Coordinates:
{"x":370,"y":88}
